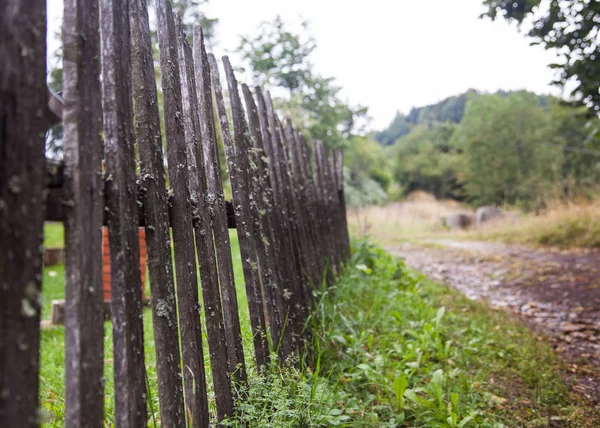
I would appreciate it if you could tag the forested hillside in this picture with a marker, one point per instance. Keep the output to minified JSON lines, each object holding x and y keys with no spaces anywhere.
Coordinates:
{"x":508,"y":147}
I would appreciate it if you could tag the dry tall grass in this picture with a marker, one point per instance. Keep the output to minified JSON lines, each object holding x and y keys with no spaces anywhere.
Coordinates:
{"x":566,"y":225}
{"x":573,"y":224}
{"x":418,"y":216}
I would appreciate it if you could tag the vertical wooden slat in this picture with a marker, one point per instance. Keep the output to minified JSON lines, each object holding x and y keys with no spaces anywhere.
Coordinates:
{"x":84,"y":318}
{"x":336,"y":209}
{"x":23,"y":98}
{"x":321,"y":207}
{"x":311,"y":194}
{"x":264,"y":204}
{"x":301,"y":296}
{"x":280,"y":232}
{"x":292,"y":285}
{"x":154,"y":193}
{"x":298,"y":175}
{"x":342,"y":198}
{"x":181,"y":219}
{"x":126,"y":297}
{"x":204,"y":236}
{"x":194,"y":377}
{"x":237,"y":162}
{"x":215,"y":202}
{"x":297,"y":297}
{"x":327,"y":185}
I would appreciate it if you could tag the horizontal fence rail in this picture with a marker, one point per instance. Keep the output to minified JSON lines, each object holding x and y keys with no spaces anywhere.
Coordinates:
{"x":288,"y":209}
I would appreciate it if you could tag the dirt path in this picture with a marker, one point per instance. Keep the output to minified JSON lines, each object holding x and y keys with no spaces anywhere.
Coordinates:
{"x":556,"y":293}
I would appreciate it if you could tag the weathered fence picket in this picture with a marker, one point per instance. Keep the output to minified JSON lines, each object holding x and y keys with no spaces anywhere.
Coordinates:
{"x":280,"y":231}
{"x":265,"y":206}
{"x":126,"y":300}
{"x":299,"y":298}
{"x":84,"y":313}
{"x":288,"y":208}
{"x":215,"y":202}
{"x":22,"y":180}
{"x":188,"y":308}
{"x":205,"y":244}
{"x":155,"y":204}
{"x":237,"y":163}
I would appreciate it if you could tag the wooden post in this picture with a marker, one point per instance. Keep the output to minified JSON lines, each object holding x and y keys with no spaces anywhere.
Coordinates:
{"x":215,"y":203}
{"x":84,"y":314}
{"x":237,"y":163}
{"x":181,"y":222}
{"x":156,"y":216}
{"x":126,"y":296}
{"x":23,"y":97}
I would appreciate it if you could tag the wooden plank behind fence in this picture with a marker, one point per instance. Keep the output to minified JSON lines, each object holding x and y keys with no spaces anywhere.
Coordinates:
{"x":155,"y":204}
{"x":84,"y":317}
{"x":237,"y":165}
{"x":215,"y":203}
{"x":126,"y":298}
{"x":23,"y":96}
{"x":181,"y":221}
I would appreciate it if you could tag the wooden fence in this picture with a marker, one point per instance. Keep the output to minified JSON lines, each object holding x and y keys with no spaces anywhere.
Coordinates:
{"x":288,"y":208}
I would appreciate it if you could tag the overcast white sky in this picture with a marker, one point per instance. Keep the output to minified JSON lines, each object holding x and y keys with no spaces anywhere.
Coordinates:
{"x":392,"y":55}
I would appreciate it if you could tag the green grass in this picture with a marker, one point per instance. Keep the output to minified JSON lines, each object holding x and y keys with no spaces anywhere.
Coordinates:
{"x":52,"y":373}
{"x":388,"y":349}
{"x":54,"y":235}
{"x":53,"y":288}
{"x":405,"y":351}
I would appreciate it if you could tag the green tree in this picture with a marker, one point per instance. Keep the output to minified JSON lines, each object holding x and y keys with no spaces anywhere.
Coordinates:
{"x":367,"y":172}
{"x":278,"y":57}
{"x":279,"y":60}
{"x":579,"y":138}
{"x":511,"y":151}
{"x":427,"y":160}
{"x":570,"y":27}
{"x":398,"y":128}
